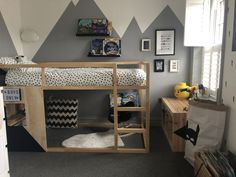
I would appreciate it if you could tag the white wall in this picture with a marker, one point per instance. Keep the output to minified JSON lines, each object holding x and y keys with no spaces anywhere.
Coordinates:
{"x":229,"y":77}
{"x":145,"y":11}
{"x":10,"y":10}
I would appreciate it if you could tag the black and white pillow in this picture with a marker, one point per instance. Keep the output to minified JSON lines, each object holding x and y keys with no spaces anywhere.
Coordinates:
{"x":7,"y":61}
{"x":62,"y":113}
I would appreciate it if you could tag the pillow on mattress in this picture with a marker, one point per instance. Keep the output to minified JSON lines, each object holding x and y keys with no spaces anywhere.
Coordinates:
{"x":7,"y":61}
{"x":62,"y":113}
{"x":26,"y":62}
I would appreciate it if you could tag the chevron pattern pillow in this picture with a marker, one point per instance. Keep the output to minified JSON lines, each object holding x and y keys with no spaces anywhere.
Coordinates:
{"x":62,"y":113}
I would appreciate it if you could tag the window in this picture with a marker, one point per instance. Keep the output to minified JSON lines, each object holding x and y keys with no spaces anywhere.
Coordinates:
{"x":196,"y":22}
{"x":204,"y":22}
{"x":211,"y":69}
{"x":212,"y":52}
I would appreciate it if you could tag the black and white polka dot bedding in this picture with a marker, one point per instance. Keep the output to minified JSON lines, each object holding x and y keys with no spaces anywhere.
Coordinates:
{"x":74,"y":77}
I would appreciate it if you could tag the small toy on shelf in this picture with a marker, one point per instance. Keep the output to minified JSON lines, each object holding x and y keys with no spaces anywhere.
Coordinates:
{"x":108,"y":47}
{"x":96,"y":47}
{"x":112,"y":46}
{"x":94,"y":27}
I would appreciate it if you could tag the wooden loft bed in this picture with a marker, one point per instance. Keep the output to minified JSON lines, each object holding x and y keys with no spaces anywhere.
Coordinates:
{"x":33,"y":99}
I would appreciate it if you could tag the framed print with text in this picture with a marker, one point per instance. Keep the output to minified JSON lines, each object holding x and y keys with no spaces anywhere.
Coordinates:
{"x":165,"y":42}
{"x":174,"y":66}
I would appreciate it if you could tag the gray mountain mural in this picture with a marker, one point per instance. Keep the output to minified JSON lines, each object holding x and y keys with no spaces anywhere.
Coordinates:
{"x":131,"y":42}
{"x":7,"y":47}
{"x":63,"y":45}
{"x":163,"y":83}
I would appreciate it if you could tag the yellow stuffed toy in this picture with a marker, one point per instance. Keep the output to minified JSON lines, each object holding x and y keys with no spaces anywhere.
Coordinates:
{"x":182,"y":91}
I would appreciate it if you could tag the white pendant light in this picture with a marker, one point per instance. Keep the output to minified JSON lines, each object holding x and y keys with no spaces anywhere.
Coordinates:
{"x":29,"y":35}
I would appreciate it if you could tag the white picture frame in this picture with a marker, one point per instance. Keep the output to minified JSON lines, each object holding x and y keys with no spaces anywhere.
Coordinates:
{"x":165,"y":42}
{"x":146,"y":45}
{"x":174,"y":66}
{"x":11,"y":94}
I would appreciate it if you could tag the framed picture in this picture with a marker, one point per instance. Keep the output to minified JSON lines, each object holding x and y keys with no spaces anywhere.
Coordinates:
{"x":111,"y":46}
{"x":165,"y":42}
{"x":159,"y":65}
{"x":11,"y":94}
{"x":174,"y":66}
{"x":146,"y":45}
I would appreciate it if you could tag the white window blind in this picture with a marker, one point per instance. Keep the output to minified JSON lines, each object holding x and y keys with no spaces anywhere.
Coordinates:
{"x":211,"y":69}
{"x":196,"y":22}
{"x":212,"y":53}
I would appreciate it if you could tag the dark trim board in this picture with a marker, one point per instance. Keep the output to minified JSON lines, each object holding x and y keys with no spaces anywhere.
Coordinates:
{"x":20,"y":140}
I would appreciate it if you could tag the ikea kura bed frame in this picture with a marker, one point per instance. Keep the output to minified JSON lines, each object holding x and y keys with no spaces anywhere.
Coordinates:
{"x":33,"y":99}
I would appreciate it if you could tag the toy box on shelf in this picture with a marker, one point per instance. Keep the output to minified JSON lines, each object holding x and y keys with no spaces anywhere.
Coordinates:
{"x":94,"y":27}
{"x":110,"y":47}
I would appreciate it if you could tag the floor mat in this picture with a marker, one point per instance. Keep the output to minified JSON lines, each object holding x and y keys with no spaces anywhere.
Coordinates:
{"x":92,"y":140}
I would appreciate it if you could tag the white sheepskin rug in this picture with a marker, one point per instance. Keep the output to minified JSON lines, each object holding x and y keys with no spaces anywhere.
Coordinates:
{"x":92,"y":140}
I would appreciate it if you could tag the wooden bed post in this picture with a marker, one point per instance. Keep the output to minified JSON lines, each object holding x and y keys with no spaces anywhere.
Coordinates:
{"x":147,"y":133}
{"x":142,"y":97}
{"x":115,"y":106}
{"x":43,"y":77}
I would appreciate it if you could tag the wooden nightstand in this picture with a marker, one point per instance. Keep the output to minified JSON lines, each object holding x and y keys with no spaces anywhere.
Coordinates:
{"x":174,"y":117}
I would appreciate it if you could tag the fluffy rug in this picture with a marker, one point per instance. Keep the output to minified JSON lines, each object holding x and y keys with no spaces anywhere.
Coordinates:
{"x":92,"y":140}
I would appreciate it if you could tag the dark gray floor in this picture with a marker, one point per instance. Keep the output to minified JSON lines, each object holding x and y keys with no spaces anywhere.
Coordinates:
{"x":160,"y":162}
{"x":55,"y":136}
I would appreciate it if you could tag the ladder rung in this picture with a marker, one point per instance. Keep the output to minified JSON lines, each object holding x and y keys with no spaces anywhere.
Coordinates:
{"x":133,"y":109}
{"x":131,"y":130}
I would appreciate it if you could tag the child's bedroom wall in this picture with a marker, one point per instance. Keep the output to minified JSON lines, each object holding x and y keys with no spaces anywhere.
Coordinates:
{"x":229,"y":84}
{"x":10,"y":12}
{"x":59,"y":43}
{"x":6,"y":45}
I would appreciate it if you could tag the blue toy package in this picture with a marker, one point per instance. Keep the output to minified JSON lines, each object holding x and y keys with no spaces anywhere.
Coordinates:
{"x":128,"y":97}
{"x":97,"y":47}
{"x":124,"y":99}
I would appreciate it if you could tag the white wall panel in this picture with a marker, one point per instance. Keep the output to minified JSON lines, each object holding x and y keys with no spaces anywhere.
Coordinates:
{"x":229,"y":77}
{"x":119,"y":12}
{"x":4,"y":167}
{"x":4,"y":164}
{"x":145,"y":11}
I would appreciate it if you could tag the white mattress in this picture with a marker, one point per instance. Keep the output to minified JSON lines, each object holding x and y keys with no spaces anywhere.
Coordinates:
{"x":74,"y":77}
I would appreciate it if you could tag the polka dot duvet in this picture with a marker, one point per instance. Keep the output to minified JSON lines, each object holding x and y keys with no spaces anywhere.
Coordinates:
{"x":74,"y":77}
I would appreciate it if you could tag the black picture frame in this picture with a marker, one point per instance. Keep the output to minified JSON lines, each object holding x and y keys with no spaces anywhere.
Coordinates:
{"x":146,"y":45}
{"x":159,"y":65}
{"x":164,"y":42}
